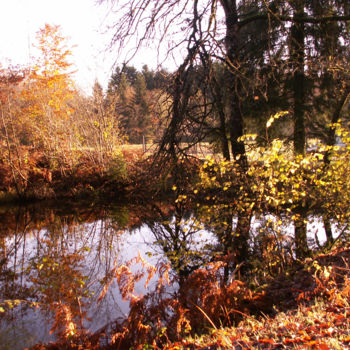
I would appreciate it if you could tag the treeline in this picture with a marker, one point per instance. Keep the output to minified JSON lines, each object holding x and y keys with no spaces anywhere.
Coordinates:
{"x":277,"y":56}
{"x":140,"y":103}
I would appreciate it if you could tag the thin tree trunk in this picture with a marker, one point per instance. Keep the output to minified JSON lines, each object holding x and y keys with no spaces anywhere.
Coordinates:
{"x":220,"y":106}
{"x":328,"y":230}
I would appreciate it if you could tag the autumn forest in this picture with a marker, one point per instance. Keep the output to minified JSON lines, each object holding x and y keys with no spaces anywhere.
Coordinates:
{"x":200,"y":208}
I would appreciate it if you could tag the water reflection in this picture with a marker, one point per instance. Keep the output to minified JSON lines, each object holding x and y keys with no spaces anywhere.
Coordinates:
{"x":52,"y":264}
{"x":55,"y":262}
{"x":181,"y":239}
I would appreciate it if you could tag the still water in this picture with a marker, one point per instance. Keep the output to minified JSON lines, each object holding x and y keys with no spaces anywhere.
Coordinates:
{"x":56,"y":260}
{"x":50,"y":257}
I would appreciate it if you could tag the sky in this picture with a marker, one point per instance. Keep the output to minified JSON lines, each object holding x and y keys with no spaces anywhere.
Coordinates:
{"x":81,"y":21}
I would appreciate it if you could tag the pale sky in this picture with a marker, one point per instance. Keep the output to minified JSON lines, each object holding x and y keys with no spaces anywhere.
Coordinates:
{"x":81,"y":21}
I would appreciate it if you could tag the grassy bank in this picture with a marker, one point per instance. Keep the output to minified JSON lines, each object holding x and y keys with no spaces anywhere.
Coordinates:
{"x":129,"y":172}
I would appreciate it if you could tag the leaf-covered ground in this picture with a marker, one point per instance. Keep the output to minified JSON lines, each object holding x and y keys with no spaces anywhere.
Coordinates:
{"x":312,"y":312}
{"x":321,"y":326}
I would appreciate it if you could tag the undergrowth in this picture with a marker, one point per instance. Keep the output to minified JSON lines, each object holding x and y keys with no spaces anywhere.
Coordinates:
{"x":204,"y":313}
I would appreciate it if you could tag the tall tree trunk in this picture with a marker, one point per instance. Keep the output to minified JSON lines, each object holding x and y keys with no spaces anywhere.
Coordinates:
{"x":298,"y":84}
{"x":297,"y":55}
{"x":232,"y":52}
{"x":240,"y":241}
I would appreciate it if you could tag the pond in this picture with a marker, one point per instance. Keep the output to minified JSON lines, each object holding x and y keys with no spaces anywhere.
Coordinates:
{"x":63,"y":256}
{"x":56,"y":262}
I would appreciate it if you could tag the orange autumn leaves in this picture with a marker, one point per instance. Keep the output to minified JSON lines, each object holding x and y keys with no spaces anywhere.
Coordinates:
{"x":48,"y":89}
{"x":48,"y":127}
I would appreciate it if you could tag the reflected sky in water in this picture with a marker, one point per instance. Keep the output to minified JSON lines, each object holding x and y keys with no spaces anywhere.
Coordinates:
{"x":45,"y":253}
{"x":51,"y":257}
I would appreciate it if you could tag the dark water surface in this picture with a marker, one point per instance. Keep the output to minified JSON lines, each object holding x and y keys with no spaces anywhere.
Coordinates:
{"x":56,"y":260}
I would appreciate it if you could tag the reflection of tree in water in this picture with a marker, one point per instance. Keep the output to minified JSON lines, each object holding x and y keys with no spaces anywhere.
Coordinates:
{"x":54,"y":261}
{"x":178,"y":237}
{"x":12,"y":258}
{"x":232,"y":230}
{"x":66,"y":256}
{"x":58,"y":283}
{"x":200,"y":284}
{"x":177,"y":234}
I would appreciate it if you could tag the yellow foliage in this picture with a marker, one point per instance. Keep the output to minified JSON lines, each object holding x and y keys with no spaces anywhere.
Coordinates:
{"x":48,"y":90}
